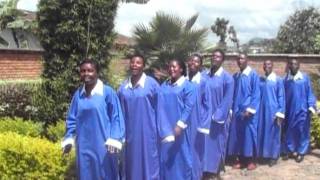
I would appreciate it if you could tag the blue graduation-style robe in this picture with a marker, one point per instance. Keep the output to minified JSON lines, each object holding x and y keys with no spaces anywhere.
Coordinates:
{"x":198,"y":115}
{"x":243,"y":130}
{"x":219,"y":89}
{"x":139,"y":104}
{"x":299,"y":101}
{"x":178,"y":101}
{"x":272,"y":106}
{"x":94,"y":122}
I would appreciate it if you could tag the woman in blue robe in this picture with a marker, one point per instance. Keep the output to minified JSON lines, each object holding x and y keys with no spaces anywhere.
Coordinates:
{"x":300,"y":105}
{"x":242,"y":141}
{"x":139,"y":99}
{"x":198,"y":114}
{"x":95,"y":122}
{"x":179,"y":96}
{"x":272,"y":109}
{"x":219,"y":89}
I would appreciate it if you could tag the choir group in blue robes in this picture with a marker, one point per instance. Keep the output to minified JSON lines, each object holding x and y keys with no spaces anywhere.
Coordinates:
{"x":243,"y":130}
{"x":272,"y":106}
{"x":300,"y":101}
{"x":139,"y":105}
{"x":219,"y":89}
{"x":94,"y":122}
{"x":176,"y":157}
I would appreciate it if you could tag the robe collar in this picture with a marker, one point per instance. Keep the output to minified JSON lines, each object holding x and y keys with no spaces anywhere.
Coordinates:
{"x":196,"y":78}
{"x":179,"y":82}
{"x":219,"y":72}
{"x":98,"y":89}
{"x":296,"y":77}
{"x":246,"y":71}
{"x":272,"y":77}
{"x":140,"y":83}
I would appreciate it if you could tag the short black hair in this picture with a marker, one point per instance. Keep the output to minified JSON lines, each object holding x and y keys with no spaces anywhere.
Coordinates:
{"x":92,"y":62}
{"x":220,"y":51}
{"x":198,"y":55}
{"x":139,"y":54}
{"x":181,"y":64}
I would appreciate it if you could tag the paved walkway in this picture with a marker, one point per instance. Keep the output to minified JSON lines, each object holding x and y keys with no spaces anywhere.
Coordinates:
{"x":309,"y":169}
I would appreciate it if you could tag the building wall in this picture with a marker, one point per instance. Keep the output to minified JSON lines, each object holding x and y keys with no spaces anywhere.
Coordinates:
{"x":20,"y":64}
{"x":308,"y":63}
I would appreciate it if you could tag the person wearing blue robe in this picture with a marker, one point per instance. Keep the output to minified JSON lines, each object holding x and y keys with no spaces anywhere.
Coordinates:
{"x":242,"y":141}
{"x":300,"y":105}
{"x":199,"y":112}
{"x":271,"y":114}
{"x":95,"y":126}
{"x":179,"y":96}
{"x":219,"y":90}
{"x":139,"y":99}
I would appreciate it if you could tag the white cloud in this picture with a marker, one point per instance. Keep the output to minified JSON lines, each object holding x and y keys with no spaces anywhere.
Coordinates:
{"x":30,"y":5}
{"x":251,"y":18}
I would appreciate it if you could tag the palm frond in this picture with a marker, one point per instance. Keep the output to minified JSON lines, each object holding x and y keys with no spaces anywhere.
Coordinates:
{"x":190,"y":22}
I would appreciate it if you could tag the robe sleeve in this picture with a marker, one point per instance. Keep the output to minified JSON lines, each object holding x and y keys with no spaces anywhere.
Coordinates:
{"x":117,"y":125}
{"x":254,"y":94}
{"x":311,"y":98}
{"x":164,"y":128}
{"x":205,"y":109}
{"x":223,"y":110}
{"x":280,"y":98}
{"x":189,"y":99}
{"x":71,"y":121}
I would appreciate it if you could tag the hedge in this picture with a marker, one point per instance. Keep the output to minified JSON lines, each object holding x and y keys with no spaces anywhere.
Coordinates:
{"x":56,"y":132}
{"x":25,"y":157}
{"x":19,"y":126}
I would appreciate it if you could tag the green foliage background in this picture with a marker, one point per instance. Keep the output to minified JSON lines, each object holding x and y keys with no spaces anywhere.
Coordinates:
{"x":69,"y":31}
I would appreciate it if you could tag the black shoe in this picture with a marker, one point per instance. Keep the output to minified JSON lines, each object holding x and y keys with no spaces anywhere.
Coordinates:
{"x":272,"y":162}
{"x":299,"y":158}
{"x":285,"y":157}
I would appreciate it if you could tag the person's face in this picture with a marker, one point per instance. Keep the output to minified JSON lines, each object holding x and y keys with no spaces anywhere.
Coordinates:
{"x":293,"y":66}
{"x":267,"y":67}
{"x":242,"y":61}
{"x":175,"y":71}
{"x":194,"y":64}
{"x":216,"y":59}
{"x":88,"y":74}
{"x":136,"y":66}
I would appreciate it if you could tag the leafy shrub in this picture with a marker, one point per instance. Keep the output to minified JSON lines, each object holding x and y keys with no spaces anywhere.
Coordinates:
{"x":17,"y":125}
{"x":315,"y":132}
{"x":56,"y":132}
{"x":16,"y":98}
{"x":25,"y":157}
{"x":315,"y":79}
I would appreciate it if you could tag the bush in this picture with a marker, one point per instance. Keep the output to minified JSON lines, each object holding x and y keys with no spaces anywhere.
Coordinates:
{"x":17,"y":125}
{"x":315,"y":132}
{"x":16,"y":98}
{"x":56,"y":132}
{"x":315,"y":84}
{"x":25,"y":157}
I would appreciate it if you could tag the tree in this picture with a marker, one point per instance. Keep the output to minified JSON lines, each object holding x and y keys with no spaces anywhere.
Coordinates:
{"x":136,"y":1}
{"x":69,"y":31}
{"x":168,"y":36}
{"x":222,"y":30}
{"x":14,"y":19}
{"x":298,"y":33}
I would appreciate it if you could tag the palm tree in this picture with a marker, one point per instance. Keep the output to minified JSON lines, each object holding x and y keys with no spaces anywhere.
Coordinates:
{"x":168,"y":36}
{"x":135,"y":1}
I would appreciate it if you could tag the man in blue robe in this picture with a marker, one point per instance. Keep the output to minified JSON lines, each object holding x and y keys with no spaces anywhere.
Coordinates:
{"x":243,"y":128}
{"x":95,"y":126}
{"x":201,"y":108}
{"x":219,"y":90}
{"x":271,"y":114}
{"x":139,"y":99}
{"x":300,"y":105}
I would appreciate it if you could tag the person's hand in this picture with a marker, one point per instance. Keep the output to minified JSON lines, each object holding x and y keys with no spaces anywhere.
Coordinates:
{"x":177,"y":131}
{"x":279,"y":121}
{"x":112,"y":150}
{"x":247,"y":114}
{"x":66,"y":150}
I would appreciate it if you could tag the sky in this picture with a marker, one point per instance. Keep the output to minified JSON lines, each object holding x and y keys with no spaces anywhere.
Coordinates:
{"x":250,"y":18}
